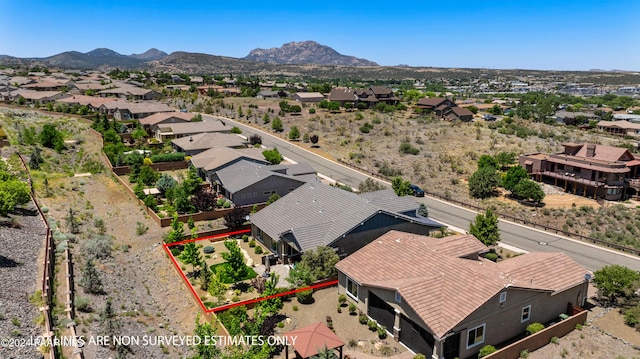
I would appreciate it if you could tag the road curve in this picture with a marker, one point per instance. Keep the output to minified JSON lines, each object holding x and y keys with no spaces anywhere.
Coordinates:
{"x":590,"y":256}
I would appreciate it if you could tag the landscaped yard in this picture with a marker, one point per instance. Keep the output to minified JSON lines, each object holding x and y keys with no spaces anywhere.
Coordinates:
{"x":211,"y":253}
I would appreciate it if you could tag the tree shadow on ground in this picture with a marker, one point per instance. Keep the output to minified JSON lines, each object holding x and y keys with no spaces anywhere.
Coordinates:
{"x":8,"y":262}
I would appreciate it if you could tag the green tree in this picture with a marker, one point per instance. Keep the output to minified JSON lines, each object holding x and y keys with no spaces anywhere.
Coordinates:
{"x":505,"y":159}
{"x":191,"y":255}
{"x":50,"y":137}
{"x":487,"y":161}
{"x":274,"y":197}
{"x":13,"y":192}
{"x":333,"y":106}
{"x":305,"y":138}
{"x":147,"y":176}
{"x":294,"y":133}
{"x":90,"y":280}
{"x":273,"y":156}
{"x":496,"y":110}
{"x":235,"y":129}
{"x":235,"y":258}
{"x":205,"y":350}
{"x":36,"y":158}
{"x":370,"y":185}
{"x":300,"y":275}
{"x":616,"y":281}
{"x":401,"y":187}
{"x":513,"y":176}
{"x":265,"y":118}
{"x":73,"y":224}
{"x":473,"y":109}
{"x":321,"y":262}
{"x":276,"y":125}
{"x":176,"y":233}
{"x":485,"y":228}
{"x":527,"y":189}
{"x":273,"y":305}
{"x":165,"y":182}
{"x":217,"y":287}
{"x":483,"y":182}
{"x":108,"y":320}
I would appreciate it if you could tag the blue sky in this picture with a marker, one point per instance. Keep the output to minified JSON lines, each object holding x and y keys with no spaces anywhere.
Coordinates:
{"x":526,"y":34}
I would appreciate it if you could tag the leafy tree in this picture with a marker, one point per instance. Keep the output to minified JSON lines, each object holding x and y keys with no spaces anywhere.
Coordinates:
{"x":204,"y":350}
{"x":273,"y":305}
{"x":13,"y":192}
{"x":616,"y":281}
{"x":204,"y":200}
{"x":176,"y":233}
{"x":273,"y":156}
{"x":483,"y":182}
{"x":401,"y":187}
{"x":90,"y":280}
{"x":274,"y":197}
{"x":473,"y":109}
{"x":496,"y":110}
{"x":266,"y":119}
{"x":513,"y":176}
{"x":235,"y":218}
{"x":528,"y":189}
{"x":235,"y":259}
{"x":321,"y":262}
{"x":147,"y":176}
{"x":505,"y":159}
{"x":111,"y":136}
{"x":197,"y":118}
{"x":181,"y":200}
{"x":370,"y":185}
{"x":192,"y":181}
{"x":50,"y":137}
{"x":235,"y":129}
{"x":294,"y":133}
{"x":487,"y":161}
{"x":485,"y":228}
{"x":255,"y":140}
{"x":191,"y":255}
{"x":276,"y":125}
{"x":300,"y":275}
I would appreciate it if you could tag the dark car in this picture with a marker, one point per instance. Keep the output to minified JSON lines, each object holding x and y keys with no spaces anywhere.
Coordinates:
{"x":417,"y":191}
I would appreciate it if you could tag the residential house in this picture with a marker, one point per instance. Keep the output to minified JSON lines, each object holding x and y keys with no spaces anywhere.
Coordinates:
{"x":384,"y":94}
{"x":218,"y":158}
{"x":247,"y":183}
{"x":36,"y":97}
{"x":440,"y":298}
{"x":316,"y":215}
{"x":460,"y":114}
{"x":342,"y":95}
{"x":192,"y":145}
{"x":49,"y":85}
{"x":138,"y":110}
{"x":308,"y":97}
{"x":132,"y":93}
{"x":268,"y":94}
{"x":166,"y":131}
{"x":164,"y":118}
{"x":590,"y":170}
{"x":90,"y":86}
{"x":82,"y":100}
{"x":620,"y":128}
{"x":575,"y":118}
{"x":438,"y":105}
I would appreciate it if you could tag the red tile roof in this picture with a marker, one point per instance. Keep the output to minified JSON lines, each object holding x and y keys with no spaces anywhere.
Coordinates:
{"x":443,"y":288}
{"x":310,"y":340}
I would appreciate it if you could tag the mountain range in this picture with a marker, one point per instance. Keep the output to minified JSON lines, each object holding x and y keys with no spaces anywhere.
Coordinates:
{"x":306,"y":52}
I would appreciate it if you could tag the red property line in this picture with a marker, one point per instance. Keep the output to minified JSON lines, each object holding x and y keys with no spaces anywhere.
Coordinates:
{"x":249,"y":301}
{"x":227,"y":234}
{"x":257,"y":300}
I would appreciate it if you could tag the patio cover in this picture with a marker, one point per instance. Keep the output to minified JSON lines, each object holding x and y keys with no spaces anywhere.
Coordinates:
{"x":313,"y":338}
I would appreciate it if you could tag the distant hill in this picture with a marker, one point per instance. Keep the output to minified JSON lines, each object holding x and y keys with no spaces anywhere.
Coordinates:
{"x":306,"y":52}
{"x":150,"y":55}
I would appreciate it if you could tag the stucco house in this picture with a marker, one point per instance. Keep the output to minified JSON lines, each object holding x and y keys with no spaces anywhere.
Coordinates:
{"x":217,"y":158}
{"x":440,"y":298}
{"x":192,"y":145}
{"x":316,"y":215}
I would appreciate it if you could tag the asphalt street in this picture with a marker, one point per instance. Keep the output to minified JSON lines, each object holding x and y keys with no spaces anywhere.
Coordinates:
{"x":590,"y":256}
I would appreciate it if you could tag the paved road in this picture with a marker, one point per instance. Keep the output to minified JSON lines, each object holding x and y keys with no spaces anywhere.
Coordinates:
{"x":590,"y":256}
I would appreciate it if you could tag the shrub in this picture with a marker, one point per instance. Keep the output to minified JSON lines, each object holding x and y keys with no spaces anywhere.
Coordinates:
{"x":281,"y":325}
{"x":221,"y":202}
{"x":82,"y":304}
{"x":406,"y":148}
{"x":245,"y":238}
{"x":252,"y":243}
{"x":175,"y":251}
{"x":373,"y":326}
{"x":258,"y":250}
{"x":352,"y":309}
{"x":534,"y":328}
{"x":555,"y":340}
{"x":226,"y":204}
{"x":524,"y":354}
{"x":362,"y":318}
{"x":295,"y":308}
{"x":339,"y":308}
{"x":382,"y":332}
{"x":419,"y":356}
{"x":492,"y":257}
{"x":235,"y":298}
{"x":486,"y":350}
{"x":304,"y":297}
{"x":579,"y":326}
{"x":141,"y":228}
{"x":342,"y":299}
{"x":208,"y":249}
{"x":98,"y":246}
{"x":167,"y":157}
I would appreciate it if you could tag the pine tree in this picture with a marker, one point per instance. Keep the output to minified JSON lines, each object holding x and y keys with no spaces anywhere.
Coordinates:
{"x":485,"y":228}
{"x":90,"y":280}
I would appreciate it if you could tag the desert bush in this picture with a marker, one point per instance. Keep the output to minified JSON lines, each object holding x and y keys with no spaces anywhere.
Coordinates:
{"x":83,"y":304}
{"x":352,"y":309}
{"x":245,"y":238}
{"x":382,"y":332}
{"x":98,"y":246}
{"x":305,"y":297}
{"x":342,"y":299}
{"x":258,"y":250}
{"x":534,"y":328}
{"x":486,"y":350}
{"x":362,"y":318}
{"x":252,"y":243}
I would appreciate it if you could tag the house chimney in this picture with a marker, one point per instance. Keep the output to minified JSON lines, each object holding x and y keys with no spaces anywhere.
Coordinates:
{"x":190,"y":138}
{"x":591,"y":150}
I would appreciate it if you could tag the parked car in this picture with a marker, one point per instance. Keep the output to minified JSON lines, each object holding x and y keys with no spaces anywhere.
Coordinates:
{"x":489,"y":117}
{"x":417,"y":191}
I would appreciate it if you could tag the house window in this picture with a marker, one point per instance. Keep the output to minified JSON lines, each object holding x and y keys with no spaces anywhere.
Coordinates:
{"x":398,"y":297}
{"x":526,"y":314}
{"x":503,"y":297}
{"x":352,"y":289}
{"x":475,"y":336}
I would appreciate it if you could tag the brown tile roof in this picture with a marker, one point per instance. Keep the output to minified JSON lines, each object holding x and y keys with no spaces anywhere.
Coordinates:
{"x":461,"y":111}
{"x":604,"y":153}
{"x":83,"y":100}
{"x":162,"y":116}
{"x":432,"y":102}
{"x":381,"y":90}
{"x":620,"y":124}
{"x":445,"y":289}
{"x":341,"y":94}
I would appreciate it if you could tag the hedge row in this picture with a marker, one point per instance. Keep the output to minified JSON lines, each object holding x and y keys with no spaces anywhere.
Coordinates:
{"x":168,"y":157}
